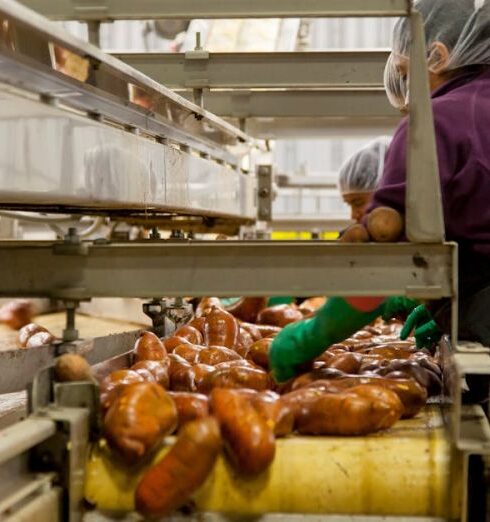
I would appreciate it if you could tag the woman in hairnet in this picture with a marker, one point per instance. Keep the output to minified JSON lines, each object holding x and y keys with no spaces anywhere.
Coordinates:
{"x":458,"y":50}
{"x":360,"y":174}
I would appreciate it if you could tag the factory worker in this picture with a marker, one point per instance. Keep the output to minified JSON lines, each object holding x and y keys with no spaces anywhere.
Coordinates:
{"x":360,"y":174}
{"x":458,"y":50}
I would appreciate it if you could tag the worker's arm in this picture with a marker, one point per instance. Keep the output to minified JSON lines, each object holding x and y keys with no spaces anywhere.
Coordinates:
{"x":335,"y":321}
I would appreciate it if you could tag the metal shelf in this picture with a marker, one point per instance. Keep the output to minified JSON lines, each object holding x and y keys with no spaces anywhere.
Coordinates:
{"x":107,"y":89}
{"x":228,"y":268}
{"x":62,"y":160}
{"x":188,"y":9}
{"x":303,"y":70}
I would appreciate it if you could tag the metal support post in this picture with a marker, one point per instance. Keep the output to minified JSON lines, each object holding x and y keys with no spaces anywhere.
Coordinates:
{"x":93,"y":27}
{"x":70,"y":333}
{"x":425,"y":221}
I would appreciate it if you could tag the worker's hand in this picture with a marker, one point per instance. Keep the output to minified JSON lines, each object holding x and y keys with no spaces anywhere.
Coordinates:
{"x":301,"y":342}
{"x":398,"y":307}
{"x":294,"y":345}
{"x":425,"y":329}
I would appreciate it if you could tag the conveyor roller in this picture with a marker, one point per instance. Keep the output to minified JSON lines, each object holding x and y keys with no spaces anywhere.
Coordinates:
{"x":403,"y":472}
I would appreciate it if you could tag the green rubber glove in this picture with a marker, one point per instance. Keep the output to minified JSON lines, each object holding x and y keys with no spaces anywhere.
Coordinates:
{"x":398,"y":307}
{"x":303,"y":341}
{"x":425,"y":329}
{"x":273,"y":301}
{"x":338,"y":319}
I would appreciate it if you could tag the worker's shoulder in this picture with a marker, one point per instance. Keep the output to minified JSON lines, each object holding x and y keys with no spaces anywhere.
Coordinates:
{"x":463,"y":100}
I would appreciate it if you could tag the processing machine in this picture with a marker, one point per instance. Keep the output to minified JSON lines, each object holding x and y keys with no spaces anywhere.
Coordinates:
{"x":85,"y":133}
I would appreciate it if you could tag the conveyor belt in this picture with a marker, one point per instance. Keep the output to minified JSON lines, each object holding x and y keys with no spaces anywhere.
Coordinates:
{"x":407,"y":471}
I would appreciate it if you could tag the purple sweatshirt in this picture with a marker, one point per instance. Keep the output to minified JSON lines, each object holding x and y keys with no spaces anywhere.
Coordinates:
{"x":462,"y":123}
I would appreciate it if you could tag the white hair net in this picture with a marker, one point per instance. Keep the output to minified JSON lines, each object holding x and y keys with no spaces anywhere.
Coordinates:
{"x":362,"y":171}
{"x":463,"y":26}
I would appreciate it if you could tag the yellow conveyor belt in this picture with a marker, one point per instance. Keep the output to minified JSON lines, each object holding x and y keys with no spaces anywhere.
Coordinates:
{"x":409,"y":470}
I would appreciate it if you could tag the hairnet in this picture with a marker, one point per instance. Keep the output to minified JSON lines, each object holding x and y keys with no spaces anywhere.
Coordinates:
{"x":362,"y":171}
{"x":463,"y":26}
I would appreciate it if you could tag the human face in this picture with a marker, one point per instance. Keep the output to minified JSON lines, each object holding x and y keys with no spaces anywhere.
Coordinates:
{"x":358,"y":202}
{"x":437,"y":74}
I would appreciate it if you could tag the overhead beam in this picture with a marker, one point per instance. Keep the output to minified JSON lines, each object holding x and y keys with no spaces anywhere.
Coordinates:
{"x":315,"y":127}
{"x":188,"y":9}
{"x":225,"y":268}
{"x":341,"y":104}
{"x":333,"y":69}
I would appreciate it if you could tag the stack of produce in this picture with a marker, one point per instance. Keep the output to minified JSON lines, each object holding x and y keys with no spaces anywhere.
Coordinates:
{"x":210,"y":384}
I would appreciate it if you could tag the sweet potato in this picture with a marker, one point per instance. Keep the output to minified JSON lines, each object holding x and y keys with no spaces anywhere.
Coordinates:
{"x":249,"y":440}
{"x":198,"y":323}
{"x":190,"y":406}
{"x":149,"y":348}
{"x":206,"y":305}
{"x":267,"y":330}
{"x":252,"y":329}
{"x":189,"y":352}
{"x":280,"y":315}
{"x":237,"y":377}
{"x":355,"y":234}
{"x":259,"y":352}
{"x":170,"y":343}
{"x":358,"y":411}
{"x":220,"y":329}
{"x":168,"y":484}
{"x":110,"y":386}
{"x":309,"y":306}
{"x":27,"y":331}
{"x":71,"y":367}
{"x":347,"y":363}
{"x":385,"y":225}
{"x":201,"y":372}
{"x":216,"y":354}
{"x":140,"y":416}
{"x":181,"y":374}
{"x":278,"y":414}
{"x":247,"y":308}
{"x":411,"y":394}
{"x":40,"y":339}
{"x":158,"y":369}
{"x":16,"y":314}
{"x":193,"y":335}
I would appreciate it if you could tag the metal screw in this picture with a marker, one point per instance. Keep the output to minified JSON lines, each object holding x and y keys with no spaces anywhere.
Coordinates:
{"x":72,"y":236}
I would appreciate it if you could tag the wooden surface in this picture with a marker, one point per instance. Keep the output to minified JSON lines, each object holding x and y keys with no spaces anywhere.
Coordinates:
{"x":13,"y":405}
{"x":87,"y":327}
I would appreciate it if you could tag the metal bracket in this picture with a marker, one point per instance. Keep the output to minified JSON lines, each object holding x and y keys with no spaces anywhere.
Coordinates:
{"x":467,"y":386}
{"x":265,"y":192}
{"x":165,"y":311}
{"x":65,"y":452}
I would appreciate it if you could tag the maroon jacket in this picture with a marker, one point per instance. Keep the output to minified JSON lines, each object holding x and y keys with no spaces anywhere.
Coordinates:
{"x":462,"y":122}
